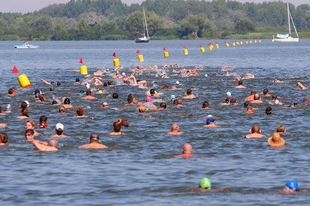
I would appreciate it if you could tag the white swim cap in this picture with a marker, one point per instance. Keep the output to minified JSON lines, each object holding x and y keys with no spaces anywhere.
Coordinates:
{"x":177,"y":82}
{"x":228,"y":94}
{"x":87,"y":85}
{"x":276,"y":102}
{"x":206,"y":75}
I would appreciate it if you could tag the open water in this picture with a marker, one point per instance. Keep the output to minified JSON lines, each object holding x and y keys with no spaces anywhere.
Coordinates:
{"x":138,"y":169}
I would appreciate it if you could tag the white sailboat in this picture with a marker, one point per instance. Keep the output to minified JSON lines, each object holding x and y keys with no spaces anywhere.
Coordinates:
{"x":146,"y":37}
{"x":287,"y":37}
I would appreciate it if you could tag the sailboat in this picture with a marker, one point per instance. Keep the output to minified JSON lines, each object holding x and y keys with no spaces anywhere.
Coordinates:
{"x":286,"y":37}
{"x":146,"y":37}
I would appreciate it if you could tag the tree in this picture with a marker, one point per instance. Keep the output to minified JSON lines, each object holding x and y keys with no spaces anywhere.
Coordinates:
{"x":59,"y":31}
{"x":244,"y":26}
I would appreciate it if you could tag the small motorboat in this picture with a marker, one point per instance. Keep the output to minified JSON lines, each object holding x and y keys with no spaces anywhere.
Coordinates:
{"x":26,"y":45}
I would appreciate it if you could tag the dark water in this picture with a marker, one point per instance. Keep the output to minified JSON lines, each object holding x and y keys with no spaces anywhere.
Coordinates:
{"x":138,"y":168}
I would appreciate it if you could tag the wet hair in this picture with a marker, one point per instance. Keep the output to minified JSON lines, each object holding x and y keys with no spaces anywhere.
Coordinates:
{"x":227,"y":100}
{"x":130,"y":98}
{"x":94,"y":138}
{"x":67,"y":101}
{"x":36,"y":93}
{"x":88,"y":92}
{"x":233,"y":101}
{"x":163,"y":105}
{"x":141,"y":109}
{"x":256,"y":96}
{"x":59,"y":131}
{"x":23,"y":105}
{"x":179,"y":101}
{"x":125,"y":123}
{"x":110,"y":83}
{"x":175,"y":101}
{"x":240,"y":82}
{"x":117,"y":125}
{"x":205,"y":104}
{"x":281,"y":128}
{"x":42,"y":98}
{"x":4,"y":137}
{"x":274,"y":97}
{"x":105,"y":84}
{"x":25,"y":112}
{"x":58,"y":83}
{"x":80,"y":111}
{"x":115,"y":95}
{"x":32,"y":123}
{"x":53,"y":143}
{"x":62,"y":109}
{"x":152,"y":91}
{"x":77,"y":80}
{"x":189,"y":92}
{"x":10,"y":91}
{"x":52,"y":89}
{"x":0,"y":109}
{"x":255,"y":129}
{"x":54,"y":102}
{"x":43,"y":119}
{"x":265,"y":91}
{"x":29,"y":131}
{"x":268,"y":110}
{"x":246,"y":104}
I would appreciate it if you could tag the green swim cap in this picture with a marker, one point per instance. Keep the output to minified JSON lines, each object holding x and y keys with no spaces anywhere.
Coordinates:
{"x":205,"y":183}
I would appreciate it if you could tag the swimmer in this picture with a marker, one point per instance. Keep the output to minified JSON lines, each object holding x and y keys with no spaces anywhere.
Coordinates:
{"x":240,"y":85}
{"x":187,"y":151}
{"x":251,"y":96}
{"x":305,"y":100}
{"x":142,"y":109}
{"x":301,"y":86}
{"x":162,"y":106}
{"x":175,"y":130}
{"x":276,"y":140}
{"x":88,"y":95}
{"x":179,"y":102}
{"x":281,"y":129}
{"x":210,"y":122}
{"x":249,"y":110}
{"x":50,"y":146}
{"x":277,"y":80}
{"x":3,"y":125}
{"x":8,"y":108}
{"x":80,"y":112}
{"x":31,"y":125}
{"x":41,"y":99}
{"x":43,"y":121}
{"x":256,"y":99}
{"x":291,"y":187}
{"x":268,"y":110}
{"x":62,"y":110}
{"x":266,"y":92}
{"x":24,"y":114}
{"x":117,"y":125}
{"x":189,"y":95}
{"x":248,"y":76}
{"x":205,"y":105}
{"x":274,"y":98}
{"x":105,"y":105}
{"x":59,"y":131}
{"x":4,"y":139}
{"x":29,"y":135}
{"x":67,"y":103}
{"x":255,"y":133}
{"x":205,"y":185}
{"x":93,"y":143}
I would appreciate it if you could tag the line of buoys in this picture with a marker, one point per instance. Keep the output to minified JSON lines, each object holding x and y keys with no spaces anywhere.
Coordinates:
{"x":210,"y":46}
{"x":140,"y":56}
{"x":217,"y":45}
{"x":83,"y":68}
{"x":116,"y":61}
{"x":227,"y":44}
{"x":202,"y":49}
{"x":15,"y":70}
{"x":166,"y":53}
{"x":23,"y":81}
{"x":185,"y":51}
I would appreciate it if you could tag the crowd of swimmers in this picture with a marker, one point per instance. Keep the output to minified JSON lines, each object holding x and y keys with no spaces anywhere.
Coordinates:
{"x":275,"y":140}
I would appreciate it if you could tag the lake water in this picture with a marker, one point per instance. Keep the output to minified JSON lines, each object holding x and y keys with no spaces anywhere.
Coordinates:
{"x":138,"y":169}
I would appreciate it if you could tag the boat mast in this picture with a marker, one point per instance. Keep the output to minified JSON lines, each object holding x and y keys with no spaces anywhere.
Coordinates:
{"x":289,"y":19}
{"x":145,"y":23}
{"x":294,"y":26}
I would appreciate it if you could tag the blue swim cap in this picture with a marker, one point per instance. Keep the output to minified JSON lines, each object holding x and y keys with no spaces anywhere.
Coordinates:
{"x":156,"y":87}
{"x":107,"y":69}
{"x":77,"y":80}
{"x":123,"y":74}
{"x":292,"y":185}
{"x":209,"y":120}
{"x":81,"y":94}
{"x":172,"y":96}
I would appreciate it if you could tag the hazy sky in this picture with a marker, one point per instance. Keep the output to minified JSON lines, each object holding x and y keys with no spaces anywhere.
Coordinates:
{"x":25,"y":6}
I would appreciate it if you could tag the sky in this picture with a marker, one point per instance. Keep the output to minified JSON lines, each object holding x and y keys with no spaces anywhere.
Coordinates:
{"x":24,"y":6}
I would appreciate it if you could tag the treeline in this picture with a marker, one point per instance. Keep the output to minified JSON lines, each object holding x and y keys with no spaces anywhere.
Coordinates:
{"x":167,"y":19}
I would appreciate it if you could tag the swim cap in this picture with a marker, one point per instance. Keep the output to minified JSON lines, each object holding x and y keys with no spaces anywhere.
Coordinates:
{"x":177,"y":82}
{"x":87,"y":85}
{"x":228,"y":94}
{"x":205,"y":183}
{"x":100,"y":92}
{"x":172,"y":96}
{"x":276,"y":102}
{"x":123,"y":74}
{"x":206,"y":75}
{"x":156,"y":86}
{"x":8,"y":107}
{"x":28,"y":104}
{"x":209,"y":120}
{"x":148,"y":99}
{"x":210,"y":115}
{"x":292,"y":185}
{"x":77,"y":80}
{"x":107,"y":69}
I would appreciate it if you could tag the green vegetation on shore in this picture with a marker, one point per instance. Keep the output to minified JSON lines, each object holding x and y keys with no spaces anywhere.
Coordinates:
{"x":167,"y":19}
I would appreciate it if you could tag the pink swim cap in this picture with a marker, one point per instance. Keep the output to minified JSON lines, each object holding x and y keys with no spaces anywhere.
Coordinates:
{"x":148,"y":99}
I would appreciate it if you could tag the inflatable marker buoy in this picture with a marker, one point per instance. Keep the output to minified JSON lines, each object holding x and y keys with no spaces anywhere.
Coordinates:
{"x":83,"y":69}
{"x":166,"y":54}
{"x":116,"y":62}
{"x":185,"y":51}
{"x":140,"y":58}
{"x":15,"y":70}
{"x":247,"y":42}
{"x":23,"y":81}
{"x":202,"y":49}
{"x":217,"y":45}
{"x":227,"y":44}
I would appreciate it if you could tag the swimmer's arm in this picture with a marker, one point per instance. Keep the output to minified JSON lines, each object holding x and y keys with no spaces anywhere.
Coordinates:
{"x":3,"y":125}
{"x":43,"y":146}
{"x":46,"y":82}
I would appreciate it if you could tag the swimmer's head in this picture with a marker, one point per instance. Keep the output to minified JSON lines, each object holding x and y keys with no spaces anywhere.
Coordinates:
{"x":152,"y":92}
{"x":66,"y":101}
{"x":228,"y":94}
{"x":240,"y":82}
{"x":163,"y":105}
{"x":265,"y":91}
{"x":205,"y":104}
{"x":77,"y":80}
{"x":175,"y":128}
{"x":255,"y":129}
{"x":53,"y":143}
{"x":209,"y":120}
{"x":246,"y":104}
{"x":148,"y":99}
{"x":88,"y":92}
{"x":281,"y":128}
{"x":268,"y":110}
{"x":187,"y":148}
{"x":306,"y":99}
{"x":94,"y":138}
{"x":292,"y":185}
{"x":189,"y":92}
{"x":115,"y":95}
{"x":172,"y":96}
{"x":205,"y":183}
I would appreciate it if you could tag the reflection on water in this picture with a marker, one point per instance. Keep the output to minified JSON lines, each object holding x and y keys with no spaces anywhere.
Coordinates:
{"x":138,"y":168}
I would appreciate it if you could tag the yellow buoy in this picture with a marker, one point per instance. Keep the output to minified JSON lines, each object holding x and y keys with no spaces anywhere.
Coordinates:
{"x":83,"y":69}
{"x":241,"y":42}
{"x":185,"y":51}
{"x":23,"y":81}
{"x":140,"y":58}
{"x":237,"y":43}
{"x":227,"y":44}
{"x":116,"y":62}
{"x":234,"y":44}
{"x":217,"y":45}
{"x":247,"y":42}
{"x":202,"y":49}
{"x":166,"y":54}
{"x":260,"y":41}
{"x":250,"y":41}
